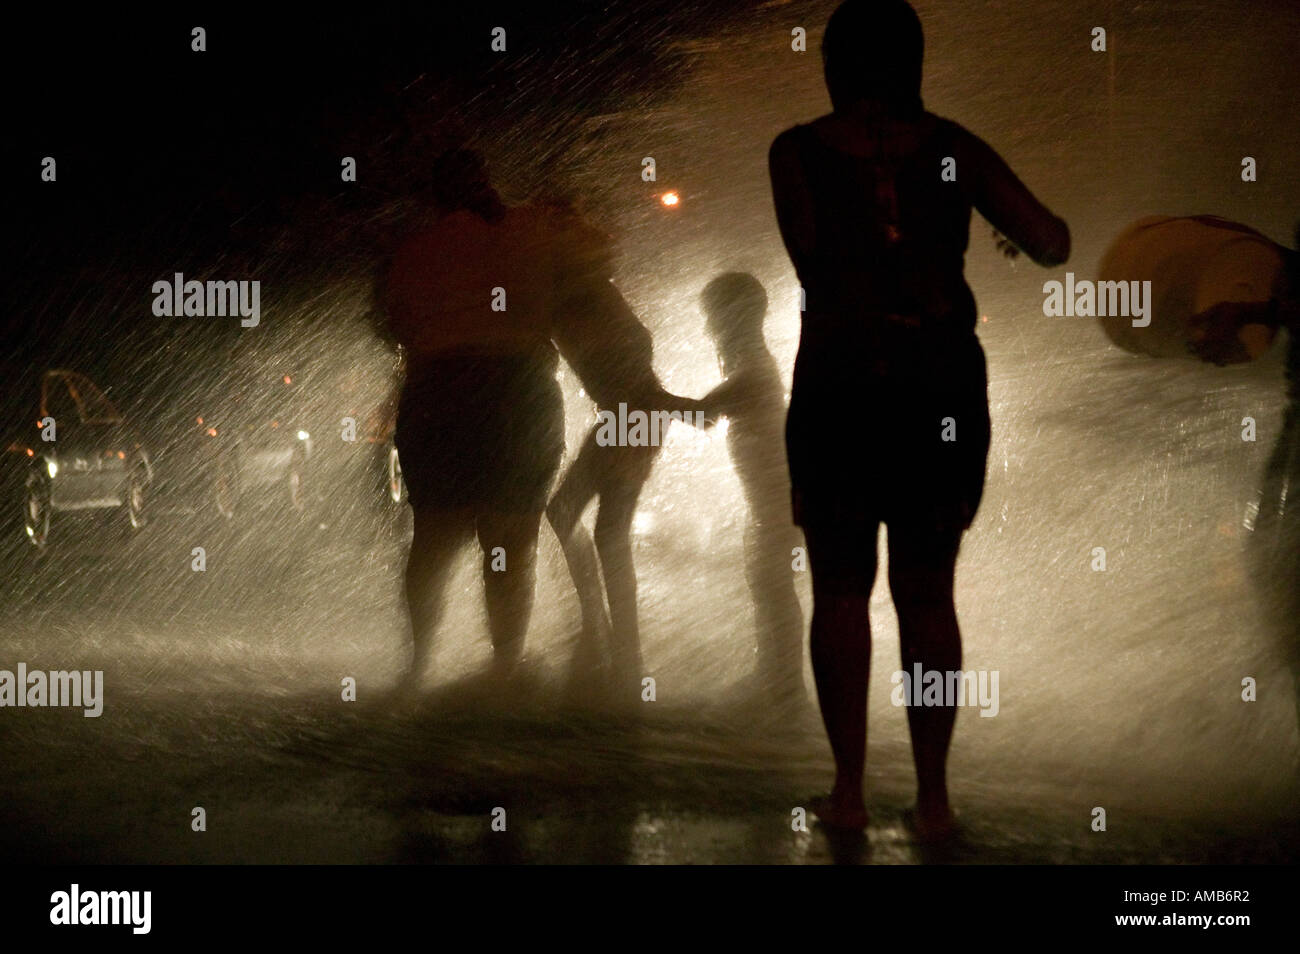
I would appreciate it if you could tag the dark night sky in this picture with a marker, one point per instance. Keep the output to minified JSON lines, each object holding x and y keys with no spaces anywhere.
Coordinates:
{"x":168,"y":158}
{"x":140,"y":124}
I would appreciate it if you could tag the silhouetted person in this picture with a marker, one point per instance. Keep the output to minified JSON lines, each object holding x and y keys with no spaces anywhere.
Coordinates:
{"x":1222,"y":334}
{"x":472,"y":296}
{"x":752,"y":398}
{"x":615,"y":360}
{"x":888,"y":415}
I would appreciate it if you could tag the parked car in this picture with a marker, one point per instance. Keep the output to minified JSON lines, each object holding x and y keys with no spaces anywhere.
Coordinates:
{"x":254,"y":449}
{"x":278,"y":433}
{"x":68,"y":448}
{"x":354,"y":417}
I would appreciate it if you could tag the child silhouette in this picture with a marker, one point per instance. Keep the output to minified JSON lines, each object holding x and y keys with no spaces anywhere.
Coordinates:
{"x":752,"y":399}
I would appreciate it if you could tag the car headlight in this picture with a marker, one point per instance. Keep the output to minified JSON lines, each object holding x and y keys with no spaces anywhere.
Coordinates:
{"x":52,"y":467}
{"x":303,"y":436}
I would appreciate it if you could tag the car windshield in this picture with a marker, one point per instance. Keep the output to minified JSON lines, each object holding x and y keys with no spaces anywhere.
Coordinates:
{"x":92,"y":405}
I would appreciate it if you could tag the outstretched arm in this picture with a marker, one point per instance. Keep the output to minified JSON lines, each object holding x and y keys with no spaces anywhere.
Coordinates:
{"x":999,"y":196}
{"x":722,"y":400}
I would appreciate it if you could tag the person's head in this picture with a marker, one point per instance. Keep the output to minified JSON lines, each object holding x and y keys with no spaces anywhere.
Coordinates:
{"x":460,"y":181}
{"x":735,"y":305}
{"x":872,"y":51}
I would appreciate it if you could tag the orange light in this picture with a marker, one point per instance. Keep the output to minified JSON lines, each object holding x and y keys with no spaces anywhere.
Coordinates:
{"x":121,"y":455}
{"x":275,"y":423}
{"x":198,"y":420}
{"x":30,"y":452}
{"x":212,"y":432}
{"x":288,"y":380}
{"x":670,"y":198}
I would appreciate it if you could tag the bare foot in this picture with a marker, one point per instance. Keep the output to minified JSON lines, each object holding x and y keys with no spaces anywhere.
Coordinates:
{"x":839,"y":815}
{"x":407,"y":694}
{"x":931,"y":824}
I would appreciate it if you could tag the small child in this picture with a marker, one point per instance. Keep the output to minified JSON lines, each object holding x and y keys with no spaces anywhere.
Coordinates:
{"x":752,"y":398}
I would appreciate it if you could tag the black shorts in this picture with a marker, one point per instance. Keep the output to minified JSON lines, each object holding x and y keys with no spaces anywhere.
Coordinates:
{"x":895,"y":432}
{"x":482,"y":432}
{"x":842,"y":553}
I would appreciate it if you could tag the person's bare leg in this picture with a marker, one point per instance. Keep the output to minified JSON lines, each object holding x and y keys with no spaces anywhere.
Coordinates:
{"x":841,"y":660}
{"x":840,"y":646}
{"x":623,"y":471}
{"x":509,"y":591}
{"x":564,"y":513}
{"x":921,"y":582}
{"x":437,"y":537}
{"x":614,"y":543}
{"x":777,"y":613}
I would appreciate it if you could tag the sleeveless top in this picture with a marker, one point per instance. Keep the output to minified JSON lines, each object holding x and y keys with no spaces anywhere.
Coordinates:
{"x":890,"y":236}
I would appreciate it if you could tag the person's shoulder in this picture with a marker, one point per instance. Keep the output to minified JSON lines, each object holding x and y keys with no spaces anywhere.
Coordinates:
{"x":788,"y":140}
{"x":528,"y":217}
{"x":412,"y":243}
{"x":580,"y":243}
{"x":951,"y":130}
{"x":567,"y":220}
{"x":800,"y":129}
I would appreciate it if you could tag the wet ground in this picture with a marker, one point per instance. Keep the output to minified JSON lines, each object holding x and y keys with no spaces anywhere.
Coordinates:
{"x":305,"y":780}
{"x":227,"y":696}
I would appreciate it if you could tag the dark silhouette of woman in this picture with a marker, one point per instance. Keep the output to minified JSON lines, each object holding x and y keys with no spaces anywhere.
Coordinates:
{"x":888,"y":417}
{"x":484,"y":299}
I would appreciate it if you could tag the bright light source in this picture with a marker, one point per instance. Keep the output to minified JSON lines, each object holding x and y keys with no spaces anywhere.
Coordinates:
{"x":670,"y":198}
{"x":52,"y":466}
{"x":288,"y":380}
{"x":303,"y":435}
{"x":212,"y":432}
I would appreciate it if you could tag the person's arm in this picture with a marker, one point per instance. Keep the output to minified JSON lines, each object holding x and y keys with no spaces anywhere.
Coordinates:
{"x":596,"y":330}
{"x":612,"y":353}
{"x":1012,"y":210}
{"x":722,"y":400}
{"x":793,"y":199}
{"x":1232,"y":332}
